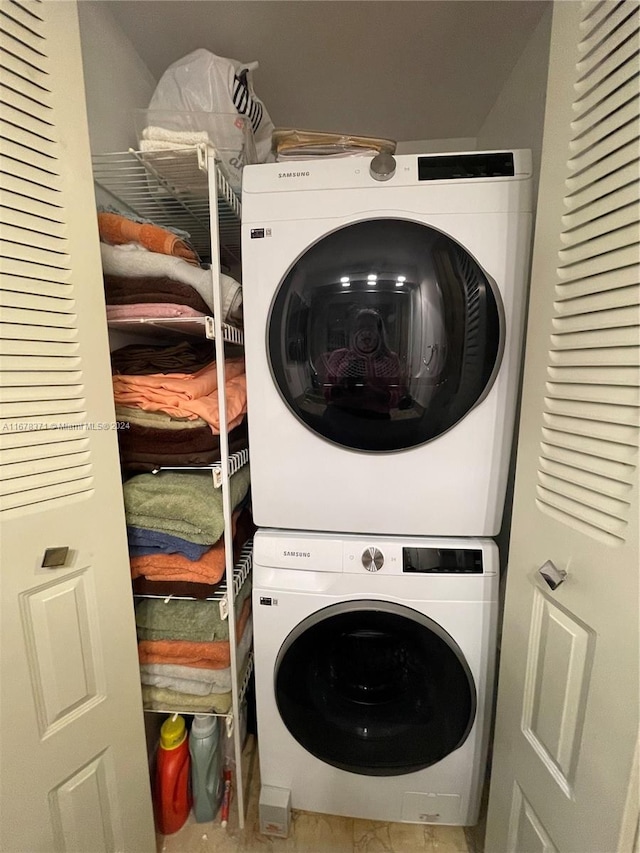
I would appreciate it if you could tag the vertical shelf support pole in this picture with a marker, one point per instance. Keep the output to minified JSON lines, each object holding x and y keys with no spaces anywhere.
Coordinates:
{"x":224,"y":460}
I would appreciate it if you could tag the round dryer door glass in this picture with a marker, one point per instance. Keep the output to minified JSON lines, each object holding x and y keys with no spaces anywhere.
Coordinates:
{"x":374,"y":688}
{"x":384,"y":335}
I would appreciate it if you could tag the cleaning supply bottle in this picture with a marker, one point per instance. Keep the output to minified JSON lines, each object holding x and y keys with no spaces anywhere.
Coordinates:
{"x":172,"y":789}
{"x":206,"y":767}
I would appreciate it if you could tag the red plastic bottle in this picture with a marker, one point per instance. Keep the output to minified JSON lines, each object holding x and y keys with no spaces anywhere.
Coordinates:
{"x":172,"y":790}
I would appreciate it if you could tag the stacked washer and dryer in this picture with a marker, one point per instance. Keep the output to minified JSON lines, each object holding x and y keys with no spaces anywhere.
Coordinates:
{"x":384,"y":316}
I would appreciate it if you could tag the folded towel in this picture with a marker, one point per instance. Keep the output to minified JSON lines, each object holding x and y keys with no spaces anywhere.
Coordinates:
{"x":186,"y":504}
{"x":180,"y":138}
{"x":123,"y":290}
{"x":134,"y":261}
{"x":156,"y":420}
{"x":191,"y":679}
{"x":174,"y":574}
{"x":116,"y":229}
{"x":184,"y":619}
{"x":144,"y":443}
{"x":144,"y":543}
{"x":159,"y":453}
{"x":140,"y":310}
{"x":144,"y":359}
{"x":187,"y":394}
{"x":208,"y":567}
{"x":179,"y":232}
{"x":162,"y":699}
{"x":215,"y":655}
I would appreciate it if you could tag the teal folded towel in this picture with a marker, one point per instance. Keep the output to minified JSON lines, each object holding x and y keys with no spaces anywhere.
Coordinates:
{"x":180,"y":619}
{"x":184,"y":504}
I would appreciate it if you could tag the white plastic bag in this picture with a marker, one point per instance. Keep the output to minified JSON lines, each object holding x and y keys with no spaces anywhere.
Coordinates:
{"x":217,"y":89}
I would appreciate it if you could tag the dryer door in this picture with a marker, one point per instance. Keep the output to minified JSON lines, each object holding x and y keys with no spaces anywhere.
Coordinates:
{"x":374,"y":688}
{"x":384,"y":335}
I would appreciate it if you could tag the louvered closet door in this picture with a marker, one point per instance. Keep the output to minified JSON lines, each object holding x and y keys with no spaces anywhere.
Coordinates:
{"x":567,"y":718}
{"x":74,"y":771}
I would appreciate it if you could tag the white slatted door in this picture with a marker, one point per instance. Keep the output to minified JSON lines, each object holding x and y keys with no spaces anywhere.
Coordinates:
{"x":74,"y":769}
{"x":567,"y":717}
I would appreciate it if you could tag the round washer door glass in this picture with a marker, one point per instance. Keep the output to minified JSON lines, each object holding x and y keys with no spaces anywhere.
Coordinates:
{"x":374,"y":688}
{"x":384,"y":334}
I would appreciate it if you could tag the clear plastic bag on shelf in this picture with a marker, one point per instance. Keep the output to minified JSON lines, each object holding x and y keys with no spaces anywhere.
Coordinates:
{"x":199,"y":93}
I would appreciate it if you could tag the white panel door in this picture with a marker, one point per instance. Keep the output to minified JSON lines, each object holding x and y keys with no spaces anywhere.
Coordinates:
{"x":567,"y":716}
{"x":74,"y":768}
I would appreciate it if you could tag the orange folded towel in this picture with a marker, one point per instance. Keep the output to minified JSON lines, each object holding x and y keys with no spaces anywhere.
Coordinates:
{"x":176,"y":567}
{"x":190,"y":395}
{"x":214,"y":655}
{"x":116,"y":229}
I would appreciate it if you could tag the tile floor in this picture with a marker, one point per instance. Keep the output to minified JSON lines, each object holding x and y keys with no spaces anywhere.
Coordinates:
{"x":310,"y":833}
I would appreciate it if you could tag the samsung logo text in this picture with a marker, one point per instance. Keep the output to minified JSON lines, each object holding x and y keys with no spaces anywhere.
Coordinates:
{"x":296,"y":553}
{"x":294,"y":174}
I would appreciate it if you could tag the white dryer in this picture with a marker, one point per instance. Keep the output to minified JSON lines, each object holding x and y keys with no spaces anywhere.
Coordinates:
{"x":374,"y":665}
{"x":383,"y":327}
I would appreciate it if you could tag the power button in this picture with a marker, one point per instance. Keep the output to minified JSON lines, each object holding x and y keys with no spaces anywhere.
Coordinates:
{"x":372,"y":559}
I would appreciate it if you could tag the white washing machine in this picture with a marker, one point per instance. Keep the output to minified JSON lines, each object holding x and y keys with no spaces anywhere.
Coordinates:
{"x":374,"y":665}
{"x":383,"y":327}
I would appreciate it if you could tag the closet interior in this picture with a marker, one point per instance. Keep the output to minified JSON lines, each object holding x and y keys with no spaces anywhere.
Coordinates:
{"x":194,"y":604}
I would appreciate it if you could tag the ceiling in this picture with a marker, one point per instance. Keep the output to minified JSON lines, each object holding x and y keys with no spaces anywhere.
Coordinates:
{"x":404,"y":69}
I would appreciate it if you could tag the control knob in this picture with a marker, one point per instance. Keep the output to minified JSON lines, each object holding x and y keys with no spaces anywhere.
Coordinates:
{"x":383,"y":166}
{"x":372,"y":560}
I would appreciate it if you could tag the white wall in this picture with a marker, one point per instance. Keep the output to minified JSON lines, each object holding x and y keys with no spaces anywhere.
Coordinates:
{"x":116,"y":80}
{"x":517,"y":117}
{"x":436,"y":146}
{"x":516,"y":120}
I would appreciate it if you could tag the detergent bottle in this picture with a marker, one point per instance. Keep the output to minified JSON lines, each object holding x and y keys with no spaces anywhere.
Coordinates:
{"x":172,"y":789}
{"x":206,"y":767}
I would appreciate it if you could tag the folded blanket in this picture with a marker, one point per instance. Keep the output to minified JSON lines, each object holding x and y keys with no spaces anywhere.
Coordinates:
{"x":215,"y":655}
{"x":186,"y":505}
{"x":187,"y":394}
{"x":192,"y":679}
{"x":119,"y":290}
{"x":134,"y":261}
{"x":140,"y":310}
{"x":153,"y":542}
{"x":184,"y":619}
{"x":144,"y":359}
{"x":116,"y":229}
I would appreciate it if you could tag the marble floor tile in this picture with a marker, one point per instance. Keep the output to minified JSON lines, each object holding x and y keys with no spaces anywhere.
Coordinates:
{"x":371,"y":836}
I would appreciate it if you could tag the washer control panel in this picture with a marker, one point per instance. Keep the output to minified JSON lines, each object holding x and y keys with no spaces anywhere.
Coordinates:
{"x":372,"y":559}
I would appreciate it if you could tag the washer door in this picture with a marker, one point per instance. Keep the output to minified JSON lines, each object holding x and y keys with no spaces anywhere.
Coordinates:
{"x":374,"y":688}
{"x":384,"y":335}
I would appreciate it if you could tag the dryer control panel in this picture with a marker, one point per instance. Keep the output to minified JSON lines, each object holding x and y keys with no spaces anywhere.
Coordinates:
{"x":375,"y":556}
{"x":392,"y":557}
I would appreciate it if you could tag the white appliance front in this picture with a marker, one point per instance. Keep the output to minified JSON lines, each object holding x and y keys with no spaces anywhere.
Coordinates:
{"x":374,"y":666}
{"x":383,"y":330}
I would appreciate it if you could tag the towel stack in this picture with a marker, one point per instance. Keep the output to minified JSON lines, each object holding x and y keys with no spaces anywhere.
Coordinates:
{"x":152,"y":271}
{"x":175,"y":525}
{"x":167,"y":405}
